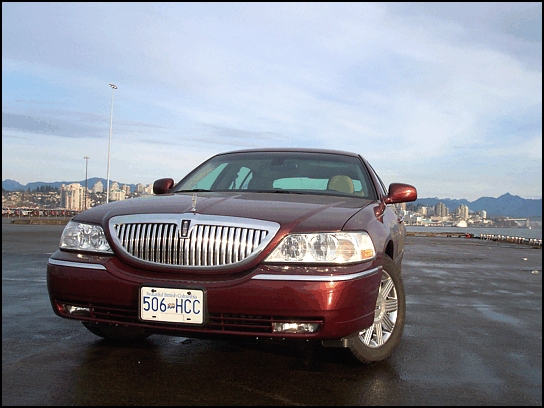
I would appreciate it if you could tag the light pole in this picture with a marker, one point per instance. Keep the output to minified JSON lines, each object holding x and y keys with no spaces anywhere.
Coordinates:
{"x":86,"y":167}
{"x":113,"y":87}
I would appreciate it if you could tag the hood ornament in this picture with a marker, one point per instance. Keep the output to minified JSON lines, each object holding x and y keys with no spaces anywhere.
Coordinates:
{"x":193,"y":209}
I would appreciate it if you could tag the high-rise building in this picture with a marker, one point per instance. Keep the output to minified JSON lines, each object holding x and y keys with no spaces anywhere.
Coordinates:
{"x":462,"y":212}
{"x":441,"y":210}
{"x":72,"y":196}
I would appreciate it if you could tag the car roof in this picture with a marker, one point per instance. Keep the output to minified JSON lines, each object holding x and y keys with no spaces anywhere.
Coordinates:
{"x":293,"y":149}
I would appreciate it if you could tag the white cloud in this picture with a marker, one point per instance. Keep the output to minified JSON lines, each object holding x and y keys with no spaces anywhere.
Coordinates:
{"x":416,"y":88}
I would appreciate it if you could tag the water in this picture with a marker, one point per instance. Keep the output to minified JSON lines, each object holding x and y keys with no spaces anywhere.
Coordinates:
{"x":511,"y":232}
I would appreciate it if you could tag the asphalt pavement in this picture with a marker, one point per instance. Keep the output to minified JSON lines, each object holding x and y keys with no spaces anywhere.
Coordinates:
{"x":473,"y":336}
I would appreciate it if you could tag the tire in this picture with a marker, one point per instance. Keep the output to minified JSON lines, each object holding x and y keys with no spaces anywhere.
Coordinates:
{"x":377,"y":342}
{"x":115,"y":332}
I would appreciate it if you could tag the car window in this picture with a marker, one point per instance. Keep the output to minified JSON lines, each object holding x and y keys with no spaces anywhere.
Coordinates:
{"x":242,"y":179}
{"x":301,"y":183}
{"x":297,"y":172}
{"x":305,"y":183}
{"x":381,"y":184}
{"x":207,"y":180}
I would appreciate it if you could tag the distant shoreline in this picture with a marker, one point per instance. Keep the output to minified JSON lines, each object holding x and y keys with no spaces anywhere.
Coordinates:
{"x":37,"y":221}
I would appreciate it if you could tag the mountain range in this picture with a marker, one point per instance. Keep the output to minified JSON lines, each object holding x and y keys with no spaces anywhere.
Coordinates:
{"x":507,"y":205}
{"x":12,"y":185}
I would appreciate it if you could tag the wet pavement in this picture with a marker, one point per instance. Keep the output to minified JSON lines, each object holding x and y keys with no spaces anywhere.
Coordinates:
{"x":473,"y":336}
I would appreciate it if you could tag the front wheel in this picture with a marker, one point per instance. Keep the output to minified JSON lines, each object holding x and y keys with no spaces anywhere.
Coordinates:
{"x":377,"y":342}
{"x":116,"y":332}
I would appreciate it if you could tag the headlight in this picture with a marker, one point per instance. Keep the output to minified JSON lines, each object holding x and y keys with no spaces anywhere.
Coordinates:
{"x":84,"y":237}
{"x":332,"y":247}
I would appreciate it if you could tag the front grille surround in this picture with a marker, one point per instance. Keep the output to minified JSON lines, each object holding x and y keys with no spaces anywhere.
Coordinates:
{"x":190,"y":240}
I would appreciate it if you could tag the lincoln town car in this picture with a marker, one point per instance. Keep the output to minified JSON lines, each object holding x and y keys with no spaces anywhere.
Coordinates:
{"x":283,"y":243}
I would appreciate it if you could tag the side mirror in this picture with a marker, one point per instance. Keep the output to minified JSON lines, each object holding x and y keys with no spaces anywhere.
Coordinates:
{"x":163,"y":186}
{"x":400,"y":193}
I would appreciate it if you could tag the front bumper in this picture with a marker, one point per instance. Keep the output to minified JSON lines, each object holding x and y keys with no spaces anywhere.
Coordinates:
{"x":341,"y":302}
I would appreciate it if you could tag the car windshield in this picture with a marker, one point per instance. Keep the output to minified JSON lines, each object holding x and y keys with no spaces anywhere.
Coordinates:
{"x":282,"y":172}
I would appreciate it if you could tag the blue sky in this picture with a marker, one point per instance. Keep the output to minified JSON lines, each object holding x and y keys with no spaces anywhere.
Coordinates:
{"x":444,"y":96}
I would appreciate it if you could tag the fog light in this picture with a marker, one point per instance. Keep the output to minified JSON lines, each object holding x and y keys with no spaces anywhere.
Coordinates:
{"x":77,"y":310}
{"x":294,"y":327}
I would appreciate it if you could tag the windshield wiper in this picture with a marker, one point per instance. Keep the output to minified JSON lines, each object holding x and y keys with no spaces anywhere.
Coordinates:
{"x":279,"y":191}
{"x":196,"y":190}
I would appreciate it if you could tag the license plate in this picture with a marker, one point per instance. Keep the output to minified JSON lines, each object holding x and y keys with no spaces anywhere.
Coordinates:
{"x":172,"y":305}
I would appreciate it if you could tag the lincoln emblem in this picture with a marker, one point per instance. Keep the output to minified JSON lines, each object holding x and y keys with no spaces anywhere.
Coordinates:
{"x":185,"y":228}
{"x":194,"y":203}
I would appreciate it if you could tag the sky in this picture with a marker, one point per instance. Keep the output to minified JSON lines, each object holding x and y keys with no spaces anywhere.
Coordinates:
{"x":444,"y":96}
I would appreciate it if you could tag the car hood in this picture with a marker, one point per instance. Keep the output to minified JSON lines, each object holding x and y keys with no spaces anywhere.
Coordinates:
{"x":294,"y":212}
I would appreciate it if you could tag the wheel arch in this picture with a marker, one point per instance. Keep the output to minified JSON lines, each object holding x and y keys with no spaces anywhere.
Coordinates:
{"x":394,"y":253}
{"x":390,"y":249}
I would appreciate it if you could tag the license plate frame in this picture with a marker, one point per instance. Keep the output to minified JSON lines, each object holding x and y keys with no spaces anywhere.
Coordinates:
{"x":172,"y":305}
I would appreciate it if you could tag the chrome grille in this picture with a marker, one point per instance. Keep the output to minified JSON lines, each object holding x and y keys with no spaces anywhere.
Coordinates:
{"x":210,"y":241}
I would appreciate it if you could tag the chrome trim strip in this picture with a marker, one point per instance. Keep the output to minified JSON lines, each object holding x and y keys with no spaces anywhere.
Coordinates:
{"x":77,"y":264}
{"x":317,"y":278}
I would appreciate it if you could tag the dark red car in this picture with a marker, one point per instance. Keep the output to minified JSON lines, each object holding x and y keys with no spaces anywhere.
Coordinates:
{"x":273,"y":243}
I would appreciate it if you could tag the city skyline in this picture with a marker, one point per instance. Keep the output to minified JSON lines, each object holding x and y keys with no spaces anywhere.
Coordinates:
{"x":72,"y":196}
{"x":120,"y":183}
{"x":505,"y":205}
{"x":444,"y":96}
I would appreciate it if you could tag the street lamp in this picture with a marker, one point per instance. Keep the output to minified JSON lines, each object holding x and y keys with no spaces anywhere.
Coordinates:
{"x":86,"y":167}
{"x":113,"y":87}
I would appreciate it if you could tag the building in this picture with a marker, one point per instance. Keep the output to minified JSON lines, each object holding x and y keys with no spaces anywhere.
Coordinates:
{"x":440,"y":210}
{"x":98,"y":187}
{"x":414,"y":219}
{"x":117,"y":195}
{"x":126,"y":189}
{"x":426,"y":211}
{"x":462,"y":212}
{"x":72,"y":197}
